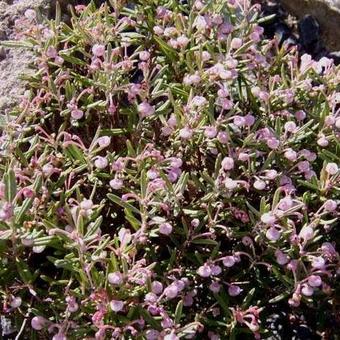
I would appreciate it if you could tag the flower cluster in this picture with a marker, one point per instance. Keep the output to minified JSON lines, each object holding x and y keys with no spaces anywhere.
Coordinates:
{"x":169,"y":174}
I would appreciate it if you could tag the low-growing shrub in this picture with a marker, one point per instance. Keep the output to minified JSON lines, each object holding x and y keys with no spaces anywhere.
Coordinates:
{"x":170,"y":174}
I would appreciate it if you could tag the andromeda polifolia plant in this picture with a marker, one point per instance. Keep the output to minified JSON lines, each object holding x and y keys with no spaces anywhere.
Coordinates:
{"x":169,"y":174}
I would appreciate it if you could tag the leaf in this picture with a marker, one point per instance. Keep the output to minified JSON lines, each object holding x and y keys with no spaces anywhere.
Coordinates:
{"x":122,"y":203}
{"x":143,"y":183}
{"x":182,"y":183}
{"x":244,"y":48}
{"x":75,"y":153}
{"x":23,"y":271}
{"x":113,"y":132}
{"x":249,"y":297}
{"x":276,"y":198}
{"x":16,"y":44}
{"x":169,"y":52}
{"x":57,"y":13}
{"x":223,"y":300}
{"x":10,"y":185}
{"x":135,"y":223}
{"x":253,"y":210}
{"x":308,"y":185}
{"x":205,"y":241}
{"x":44,"y":241}
{"x":266,"y":19}
{"x":278,"y":298}
{"x":6,"y":234}
{"x":178,"y":312}
{"x":23,"y":209}
{"x":149,"y":319}
{"x":94,"y":227}
{"x":71,"y":59}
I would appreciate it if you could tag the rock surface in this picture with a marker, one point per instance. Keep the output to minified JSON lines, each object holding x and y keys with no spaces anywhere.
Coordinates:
{"x":14,"y":62}
{"x":327,"y":12}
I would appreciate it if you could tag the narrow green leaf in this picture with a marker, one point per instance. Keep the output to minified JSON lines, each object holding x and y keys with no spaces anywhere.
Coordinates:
{"x":122,"y":203}
{"x":178,"y":312}
{"x":10,"y":185}
{"x":25,"y":206}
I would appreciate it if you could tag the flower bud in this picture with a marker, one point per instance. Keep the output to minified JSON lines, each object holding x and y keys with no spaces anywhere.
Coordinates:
{"x":116,"y":183}
{"x":86,"y":204}
{"x":273,"y":234}
{"x":104,"y":141}
{"x":315,"y":281}
{"x":318,"y":262}
{"x":236,"y":43}
{"x":171,"y":291}
{"x":116,"y":305}
{"x":307,"y":290}
{"x":98,"y":50}
{"x":307,"y":233}
{"x":204,"y":271}
{"x":156,"y":287}
{"x":227,"y":163}
{"x":268,"y":218}
{"x":281,"y":258}
{"x":330,"y":205}
{"x":101,"y":162}
{"x":38,"y":323}
{"x":332,"y":168}
{"x":228,"y":261}
{"x":115,"y":278}
{"x":16,"y":302}
{"x":234,"y":290}
{"x":165,"y":228}
{"x":145,"y":109}
{"x":259,"y":184}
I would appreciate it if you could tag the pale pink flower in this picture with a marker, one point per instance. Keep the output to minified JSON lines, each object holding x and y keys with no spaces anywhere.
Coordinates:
{"x":268,"y":218}
{"x":185,"y":133}
{"x":116,"y":305}
{"x":77,"y":114}
{"x":227,"y":163}
{"x":101,"y":162}
{"x":115,"y":278}
{"x":145,"y":109}
{"x":236,"y":43}
{"x":234,"y":290}
{"x":259,"y":184}
{"x":330,"y":205}
{"x":171,"y":291}
{"x":281,"y":257}
{"x":98,"y":50}
{"x":165,"y":228}
{"x":307,"y":290}
{"x":273,"y":234}
{"x":38,"y":323}
{"x":157,"y":287}
{"x":116,"y":183}
{"x":229,"y":261}
{"x":144,"y":55}
{"x":332,"y":168}
{"x":104,"y":141}
{"x":307,"y":233}
{"x":318,"y":262}
{"x":230,"y":184}
{"x":204,"y":271}
{"x":315,"y":281}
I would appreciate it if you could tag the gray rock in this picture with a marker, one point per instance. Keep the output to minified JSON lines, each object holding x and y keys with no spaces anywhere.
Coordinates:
{"x":327,"y":12}
{"x":14,"y":62}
